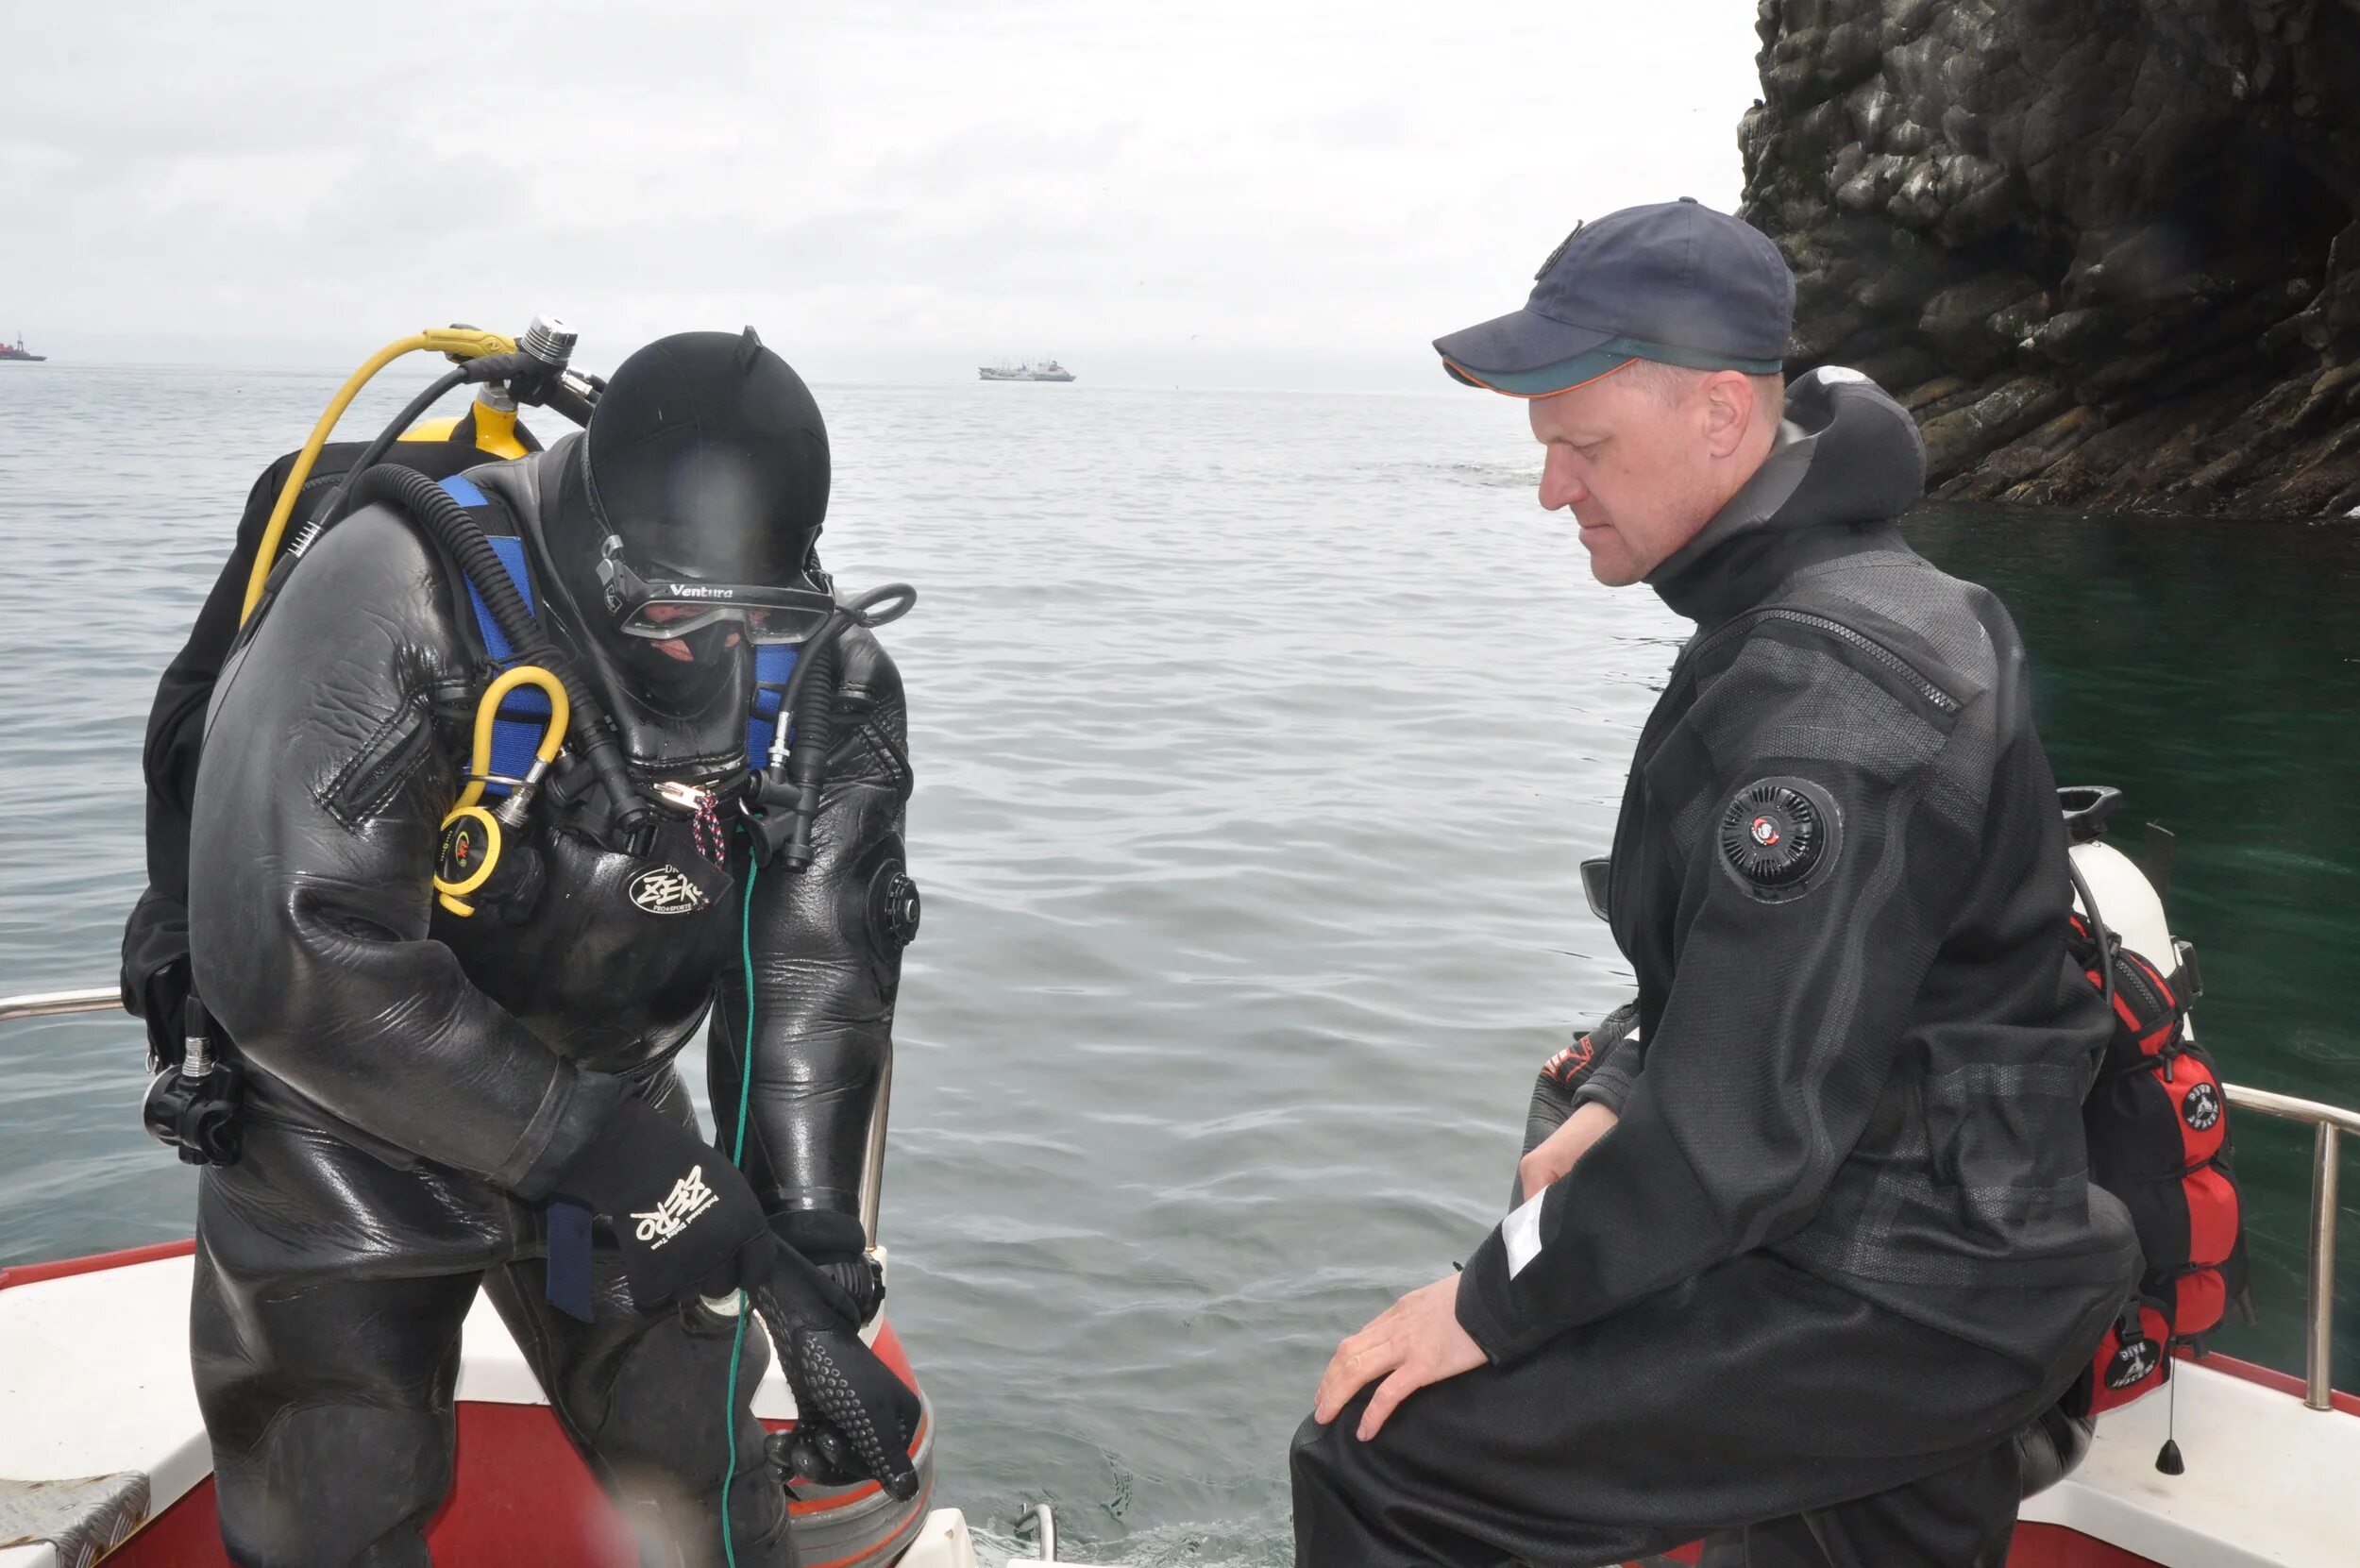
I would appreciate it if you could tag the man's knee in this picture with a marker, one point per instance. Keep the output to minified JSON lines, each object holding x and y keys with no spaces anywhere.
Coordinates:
{"x":1304,"y":1461}
{"x":661,"y":1425}
{"x":1327,"y":1469}
{"x":660,"y":1399}
{"x":1315,"y":1457}
{"x":339,"y":1486}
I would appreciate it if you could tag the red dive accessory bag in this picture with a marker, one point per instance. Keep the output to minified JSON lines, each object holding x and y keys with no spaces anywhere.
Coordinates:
{"x":2157,"y":1123}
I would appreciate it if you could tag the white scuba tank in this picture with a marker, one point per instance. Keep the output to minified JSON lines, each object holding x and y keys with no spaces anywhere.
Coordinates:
{"x":2128,"y":904}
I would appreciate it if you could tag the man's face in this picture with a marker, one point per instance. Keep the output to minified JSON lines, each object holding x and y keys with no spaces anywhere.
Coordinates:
{"x":1632,"y":466}
{"x":676,"y":648}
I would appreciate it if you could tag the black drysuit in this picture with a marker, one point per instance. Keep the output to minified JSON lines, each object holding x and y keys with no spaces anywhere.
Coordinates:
{"x":418,"y":1080}
{"x":156,"y":937}
{"x":1842,"y":1244}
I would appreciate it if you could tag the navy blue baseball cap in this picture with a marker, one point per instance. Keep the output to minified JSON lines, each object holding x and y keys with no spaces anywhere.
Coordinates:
{"x":1676,"y":282}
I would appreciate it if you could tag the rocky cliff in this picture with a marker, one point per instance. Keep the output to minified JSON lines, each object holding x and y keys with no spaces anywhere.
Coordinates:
{"x":2105,"y":249}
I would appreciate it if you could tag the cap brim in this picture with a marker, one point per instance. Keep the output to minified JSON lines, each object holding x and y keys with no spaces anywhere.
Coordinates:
{"x":1527,"y":353}
{"x":1548,"y":382}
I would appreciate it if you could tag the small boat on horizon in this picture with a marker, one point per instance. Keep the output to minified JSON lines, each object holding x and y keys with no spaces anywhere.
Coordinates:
{"x":1048,"y":370}
{"x":17,"y":351}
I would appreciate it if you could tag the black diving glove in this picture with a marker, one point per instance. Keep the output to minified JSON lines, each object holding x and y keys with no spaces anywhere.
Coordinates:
{"x":854,"y":1419}
{"x":686,"y":1221}
{"x":837,"y":1246}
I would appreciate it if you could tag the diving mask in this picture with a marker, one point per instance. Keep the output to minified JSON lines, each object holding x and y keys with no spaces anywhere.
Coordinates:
{"x":664,"y":608}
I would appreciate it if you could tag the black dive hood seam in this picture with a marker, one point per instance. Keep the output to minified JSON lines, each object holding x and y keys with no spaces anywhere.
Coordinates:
{"x":598,"y":505}
{"x":580,"y":636}
{"x":646,"y":568}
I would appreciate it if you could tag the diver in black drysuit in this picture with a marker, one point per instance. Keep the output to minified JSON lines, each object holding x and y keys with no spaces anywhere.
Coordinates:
{"x":429,"y":1096}
{"x":1842,"y":1245}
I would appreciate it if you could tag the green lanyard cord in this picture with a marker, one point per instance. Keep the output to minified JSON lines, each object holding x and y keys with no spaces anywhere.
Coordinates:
{"x":737,"y":1157}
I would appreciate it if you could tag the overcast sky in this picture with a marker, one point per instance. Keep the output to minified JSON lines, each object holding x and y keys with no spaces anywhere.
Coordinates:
{"x":1257,"y":193}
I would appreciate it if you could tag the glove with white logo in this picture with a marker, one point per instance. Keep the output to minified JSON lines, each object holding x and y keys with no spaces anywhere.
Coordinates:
{"x":683,"y":1217}
{"x":855,"y":1419}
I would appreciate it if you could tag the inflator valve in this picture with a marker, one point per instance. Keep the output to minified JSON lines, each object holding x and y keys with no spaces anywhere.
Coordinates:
{"x":194,"y":1109}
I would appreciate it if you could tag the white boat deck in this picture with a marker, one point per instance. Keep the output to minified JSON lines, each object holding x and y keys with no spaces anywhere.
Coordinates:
{"x":2269,"y":1483}
{"x":95,"y":1381}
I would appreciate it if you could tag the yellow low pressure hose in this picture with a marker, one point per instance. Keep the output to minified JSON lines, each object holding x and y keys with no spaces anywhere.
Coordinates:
{"x":473,"y":839}
{"x":465,"y":343}
{"x":487,"y":712}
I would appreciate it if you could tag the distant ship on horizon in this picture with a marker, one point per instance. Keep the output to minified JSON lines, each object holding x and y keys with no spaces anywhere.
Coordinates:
{"x":1048,"y":370}
{"x":16,"y":351}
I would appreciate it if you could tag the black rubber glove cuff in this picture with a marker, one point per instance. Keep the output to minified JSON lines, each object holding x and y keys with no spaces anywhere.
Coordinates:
{"x":837,"y":1246}
{"x":684,"y":1220}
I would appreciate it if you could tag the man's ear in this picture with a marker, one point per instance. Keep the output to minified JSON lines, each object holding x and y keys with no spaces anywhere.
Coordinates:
{"x":1728,"y":409}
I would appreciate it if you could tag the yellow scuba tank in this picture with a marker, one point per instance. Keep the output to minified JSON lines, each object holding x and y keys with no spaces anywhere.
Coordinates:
{"x":491,"y":426}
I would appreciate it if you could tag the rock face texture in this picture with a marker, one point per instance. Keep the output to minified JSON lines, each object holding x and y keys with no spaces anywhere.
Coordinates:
{"x":2108,"y":251}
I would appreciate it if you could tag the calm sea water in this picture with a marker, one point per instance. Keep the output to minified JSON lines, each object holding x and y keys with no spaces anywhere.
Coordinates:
{"x":1258,"y":737}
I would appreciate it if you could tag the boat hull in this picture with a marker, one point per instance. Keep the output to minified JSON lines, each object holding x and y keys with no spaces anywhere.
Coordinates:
{"x":97,"y":1384}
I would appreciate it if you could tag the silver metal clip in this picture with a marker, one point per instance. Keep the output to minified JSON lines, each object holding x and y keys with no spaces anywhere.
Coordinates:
{"x":685,"y":799}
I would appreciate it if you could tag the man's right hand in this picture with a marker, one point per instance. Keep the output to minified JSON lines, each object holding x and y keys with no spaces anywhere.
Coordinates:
{"x":854,"y":1418}
{"x":1556,"y":1154}
{"x":685,"y":1219}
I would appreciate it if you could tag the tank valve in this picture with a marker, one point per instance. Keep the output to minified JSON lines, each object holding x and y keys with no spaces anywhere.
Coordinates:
{"x":550,"y":341}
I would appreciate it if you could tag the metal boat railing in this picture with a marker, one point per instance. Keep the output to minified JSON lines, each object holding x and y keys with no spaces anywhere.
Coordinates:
{"x":2327,"y":1124}
{"x":51,"y":1004}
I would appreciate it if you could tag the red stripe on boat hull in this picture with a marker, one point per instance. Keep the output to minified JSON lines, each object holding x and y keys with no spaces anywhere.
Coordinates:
{"x":522,"y":1495}
{"x":2055,"y":1546}
{"x":2035,"y":1546}
{"x":33,"y":1273}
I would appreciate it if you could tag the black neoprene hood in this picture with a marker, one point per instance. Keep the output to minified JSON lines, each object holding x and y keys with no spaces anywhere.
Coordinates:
{"x":708,"y":459}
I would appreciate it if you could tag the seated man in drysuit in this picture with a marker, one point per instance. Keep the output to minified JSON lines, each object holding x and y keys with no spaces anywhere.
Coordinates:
{"x":444,"y":1090}
{"x":1821,"y":1239}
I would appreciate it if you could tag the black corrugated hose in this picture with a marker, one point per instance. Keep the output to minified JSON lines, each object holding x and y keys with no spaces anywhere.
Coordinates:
{"x":452,"y":527}
{"x":812,"y":717}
